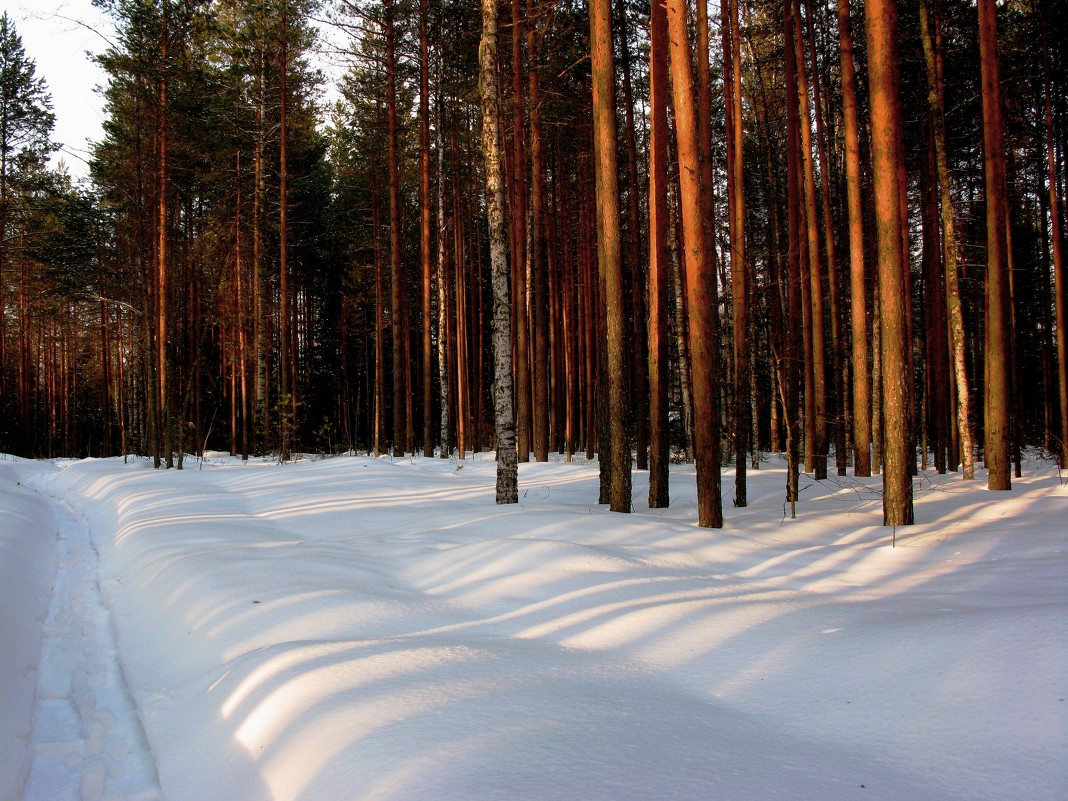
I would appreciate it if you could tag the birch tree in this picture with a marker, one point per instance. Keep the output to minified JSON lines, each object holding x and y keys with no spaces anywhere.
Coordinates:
{"x":503,"y":416}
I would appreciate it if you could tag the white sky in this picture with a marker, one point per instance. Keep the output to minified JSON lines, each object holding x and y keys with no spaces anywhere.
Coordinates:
{"x":57,"y":35}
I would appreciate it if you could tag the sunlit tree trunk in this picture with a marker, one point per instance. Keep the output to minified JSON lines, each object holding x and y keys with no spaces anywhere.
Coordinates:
{"x":881,"y":17}
{"x":839,"y":382}
{"x":732,"y":83}
{"x":858,"y":291}
{"x":998,"y":302}
{"x":507,"y":466}
{"x":659,"y":258}
{"x":931,"y":40}
{"x":700,"y":277}
{"x":817,"y":427}
{"x":609,"y":254}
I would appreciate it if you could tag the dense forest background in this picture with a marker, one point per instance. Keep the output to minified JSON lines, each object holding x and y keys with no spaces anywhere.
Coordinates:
{"x":861,"y":260}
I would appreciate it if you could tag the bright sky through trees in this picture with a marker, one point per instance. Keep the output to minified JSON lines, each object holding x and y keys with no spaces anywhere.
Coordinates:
{"x":57,"y":35}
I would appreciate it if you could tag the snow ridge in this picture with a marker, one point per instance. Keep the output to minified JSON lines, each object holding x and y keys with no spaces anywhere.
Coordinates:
{"x":87,"y":740}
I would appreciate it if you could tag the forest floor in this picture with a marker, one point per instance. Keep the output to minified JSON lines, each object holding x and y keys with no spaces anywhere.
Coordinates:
{"x":353,"y":628}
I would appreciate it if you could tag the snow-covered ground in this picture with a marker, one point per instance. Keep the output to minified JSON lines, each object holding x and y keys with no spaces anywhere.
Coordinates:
{"x":374,"y":629}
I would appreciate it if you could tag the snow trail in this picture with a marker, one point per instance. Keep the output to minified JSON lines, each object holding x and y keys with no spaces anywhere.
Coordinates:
{"x":87,"y":741}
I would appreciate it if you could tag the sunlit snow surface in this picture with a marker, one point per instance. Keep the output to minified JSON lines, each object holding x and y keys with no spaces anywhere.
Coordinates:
{"x":378,"y":629}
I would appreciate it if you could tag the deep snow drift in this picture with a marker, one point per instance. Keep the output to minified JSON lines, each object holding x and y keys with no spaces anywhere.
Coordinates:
{"x":360,"y":629}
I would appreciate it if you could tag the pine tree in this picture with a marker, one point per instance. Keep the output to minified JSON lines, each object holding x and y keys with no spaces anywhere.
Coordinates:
{"x":26,"y":122}
{"x":609,"y":255}
{"x":700,"y":279}
{"x":887,"y":164}
{"x":659,"y":260}
{"x":998,"y":299}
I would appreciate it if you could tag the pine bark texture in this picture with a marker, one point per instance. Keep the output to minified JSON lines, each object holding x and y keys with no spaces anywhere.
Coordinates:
{"x":700,"y":279}
{"x":930,"y":38}
{"x":816,"y":427}
{"x":998,"y":431}
{"x":609,"y":253}
{"x":732,"y":82}
{"x":857,"y":268}
{"x":881,"y":16}
{"x":659,"y":258}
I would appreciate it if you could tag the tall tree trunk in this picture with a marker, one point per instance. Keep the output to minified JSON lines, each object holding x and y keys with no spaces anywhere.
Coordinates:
{"x":239,"y":280}
{"x":463,"y":382}
{"x":659,"y":258}
{"x":704,"y":126}
{"x":609,"y":254}
{"x":732,"y":84}
{"x":400,"y":387}
{"x":443,"y":284}
{"x":839,"y":384}
{"x":881,"y":17}
{"x":524,"y":422}
{"x":259,"y":289}
{"x":504,"y":426}
{"x":639,"y":384}
{"x":681,"y":322}
{"x":5,"y":372}
{"x":700,"y":278}
{"x":1060,"y":284}
{"x":998,"y":302}
{"x":795,"y":305}
{"x":286,"y":369}
{"x":931,"y":40}
{"x":424,"y":225}
{"x":538,"y":265}
{"x":936,"y":343}
{"x":163,"y":370}
{"x":569,"y":283}
{"x":817,"y":428}
{"x":858,"y":291}
{"x":378,"y":436}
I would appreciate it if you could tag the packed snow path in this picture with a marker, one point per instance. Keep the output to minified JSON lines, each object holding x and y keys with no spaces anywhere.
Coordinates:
{"x":87,"y":740}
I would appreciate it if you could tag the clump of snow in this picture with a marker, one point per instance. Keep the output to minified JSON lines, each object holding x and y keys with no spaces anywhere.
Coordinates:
{"x":374,"y":629}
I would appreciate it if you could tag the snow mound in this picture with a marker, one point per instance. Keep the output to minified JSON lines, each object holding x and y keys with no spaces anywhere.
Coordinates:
{"x":374,"y":629}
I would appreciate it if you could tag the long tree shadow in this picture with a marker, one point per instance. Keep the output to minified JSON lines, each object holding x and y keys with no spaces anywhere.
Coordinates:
{"x":350,"y":639}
